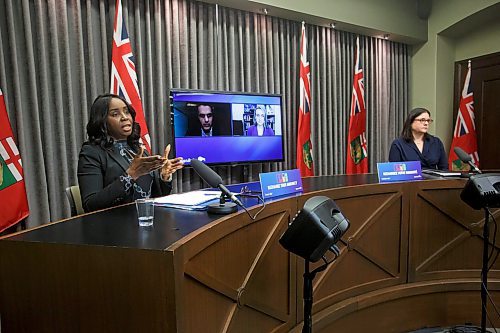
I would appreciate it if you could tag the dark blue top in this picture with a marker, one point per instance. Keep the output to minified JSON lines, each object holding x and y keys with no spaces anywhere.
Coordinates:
{"x":433,"y":155}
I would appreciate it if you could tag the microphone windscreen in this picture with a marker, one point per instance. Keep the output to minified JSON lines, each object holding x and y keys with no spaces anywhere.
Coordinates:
{"x":207,"y":174}
{"x":462,"y":155}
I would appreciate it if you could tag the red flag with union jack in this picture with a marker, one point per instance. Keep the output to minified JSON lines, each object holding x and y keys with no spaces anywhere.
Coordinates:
{"x":304,"y":145}
{"x":123,"y":74}
{"x":357,"y":147}
{"x":464,"y":135}
{"x":12,"y":189}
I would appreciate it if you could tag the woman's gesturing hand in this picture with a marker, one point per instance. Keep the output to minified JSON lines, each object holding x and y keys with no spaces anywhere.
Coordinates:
{"x":141,"y":165}
{"x":170,"y":166}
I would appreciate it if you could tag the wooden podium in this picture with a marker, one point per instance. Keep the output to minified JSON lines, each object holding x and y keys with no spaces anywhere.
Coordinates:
{"x":411,"y":258}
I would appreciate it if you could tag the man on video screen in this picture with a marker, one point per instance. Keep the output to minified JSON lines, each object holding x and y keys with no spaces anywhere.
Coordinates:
{"x":207,"y":124}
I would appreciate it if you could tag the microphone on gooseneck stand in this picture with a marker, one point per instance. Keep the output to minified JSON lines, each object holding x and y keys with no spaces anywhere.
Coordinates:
{"x":464,"y":157}
{"x":214,"y":180}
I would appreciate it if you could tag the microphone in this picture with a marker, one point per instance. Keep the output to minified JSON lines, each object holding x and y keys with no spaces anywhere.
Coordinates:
{"x":205,"y":173}
{"x":230,"y":194}
{"x":464,"y":157}
{"x":214,"y":180}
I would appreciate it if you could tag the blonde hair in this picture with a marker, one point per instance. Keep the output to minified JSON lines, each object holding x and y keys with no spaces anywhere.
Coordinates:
{"x":263,"y":108}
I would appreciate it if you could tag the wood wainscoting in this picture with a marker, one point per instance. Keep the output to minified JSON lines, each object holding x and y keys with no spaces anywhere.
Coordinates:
{"x":411,"y":258}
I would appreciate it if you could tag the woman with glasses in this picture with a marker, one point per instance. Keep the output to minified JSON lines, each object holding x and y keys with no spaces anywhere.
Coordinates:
{"x":259,"y":128}
{"x":416,"y":144}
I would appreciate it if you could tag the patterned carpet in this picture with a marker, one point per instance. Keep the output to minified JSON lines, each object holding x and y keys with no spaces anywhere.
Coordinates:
{"x":455,"y":329}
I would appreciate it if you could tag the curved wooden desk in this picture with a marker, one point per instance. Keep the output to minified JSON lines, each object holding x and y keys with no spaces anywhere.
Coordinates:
{"x":411,"y":258}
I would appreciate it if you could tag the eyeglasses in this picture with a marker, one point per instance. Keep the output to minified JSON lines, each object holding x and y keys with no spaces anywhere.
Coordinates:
{"x":423,"y":120}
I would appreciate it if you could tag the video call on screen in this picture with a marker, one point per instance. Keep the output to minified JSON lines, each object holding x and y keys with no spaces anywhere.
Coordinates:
{"x":220,"y":128}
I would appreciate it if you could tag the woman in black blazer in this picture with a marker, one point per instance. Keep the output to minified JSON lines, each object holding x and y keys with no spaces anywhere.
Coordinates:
{"x":113,"y":167}
{"x":415,"y":144}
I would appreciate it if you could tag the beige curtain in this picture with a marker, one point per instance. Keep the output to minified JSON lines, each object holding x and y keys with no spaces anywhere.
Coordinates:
{"x":55,"y":59}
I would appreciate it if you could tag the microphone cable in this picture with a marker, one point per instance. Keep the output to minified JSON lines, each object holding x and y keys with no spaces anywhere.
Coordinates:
{"x":494,"y":307}
{"x":493,"y":243}
{"x":259,"y":198}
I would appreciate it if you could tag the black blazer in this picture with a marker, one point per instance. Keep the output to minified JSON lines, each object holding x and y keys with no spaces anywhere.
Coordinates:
{"x":196,"y":130}
{"x":99,"y":172}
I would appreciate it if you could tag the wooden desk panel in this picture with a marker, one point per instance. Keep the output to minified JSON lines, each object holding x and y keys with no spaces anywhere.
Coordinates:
{"x":411,"y":258}
{"x":66,"y":288}
{"x":240,"y":277}
{"x":372,"y":247}
{"x":437,"y":282}
{"x":446,"y":234}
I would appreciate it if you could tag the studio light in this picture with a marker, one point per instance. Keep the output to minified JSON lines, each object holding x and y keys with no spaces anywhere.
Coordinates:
{"x":315,"y":229}
{"x":482,"y":191}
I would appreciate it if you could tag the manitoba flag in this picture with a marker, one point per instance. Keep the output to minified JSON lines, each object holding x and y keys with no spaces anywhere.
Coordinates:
{"x":304,"y":145}
{"x":357,"y":148}
{"x":123,"y":74}
{"x":464,"y":135}
{"x":14,"y":204}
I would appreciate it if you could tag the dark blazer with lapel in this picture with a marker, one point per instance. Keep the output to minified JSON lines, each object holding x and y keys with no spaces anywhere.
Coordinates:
{"x":99,"y":172}
{"x":197,"y":130}
{"x":432,"y":156}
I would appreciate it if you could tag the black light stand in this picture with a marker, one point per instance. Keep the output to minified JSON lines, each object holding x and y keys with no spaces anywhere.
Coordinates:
{"x":484,"y":269}
{"x":308,"y":294}
{"x":482,"y":191}
{"x":315,"y":230}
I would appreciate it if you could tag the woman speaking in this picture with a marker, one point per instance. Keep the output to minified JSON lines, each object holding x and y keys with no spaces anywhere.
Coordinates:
{"x":113,"y":167}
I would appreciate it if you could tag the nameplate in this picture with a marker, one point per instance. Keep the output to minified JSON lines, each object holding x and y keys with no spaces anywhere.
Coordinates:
{"x":399,"y":171}
{"x":275,"y":184}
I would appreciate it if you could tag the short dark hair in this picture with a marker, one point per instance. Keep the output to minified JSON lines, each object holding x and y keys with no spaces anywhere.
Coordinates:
{"x":406,"y":133}
{"x":201,"y":104}
{"x":97,"y":127}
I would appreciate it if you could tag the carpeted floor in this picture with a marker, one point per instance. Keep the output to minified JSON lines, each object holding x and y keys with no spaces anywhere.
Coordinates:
{"x":455,"y":329}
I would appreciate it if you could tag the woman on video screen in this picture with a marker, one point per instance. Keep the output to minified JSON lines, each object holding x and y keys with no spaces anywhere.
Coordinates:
{"x":259,"y":128}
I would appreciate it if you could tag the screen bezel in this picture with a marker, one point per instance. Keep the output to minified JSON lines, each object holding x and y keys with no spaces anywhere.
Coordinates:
{"x":219,"y":92}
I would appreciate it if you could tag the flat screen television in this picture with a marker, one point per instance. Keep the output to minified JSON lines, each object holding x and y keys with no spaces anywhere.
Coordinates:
{"x":218,"y":127}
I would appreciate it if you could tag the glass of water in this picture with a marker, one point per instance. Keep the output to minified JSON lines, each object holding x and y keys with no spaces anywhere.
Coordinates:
{"x":145,"y":211}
